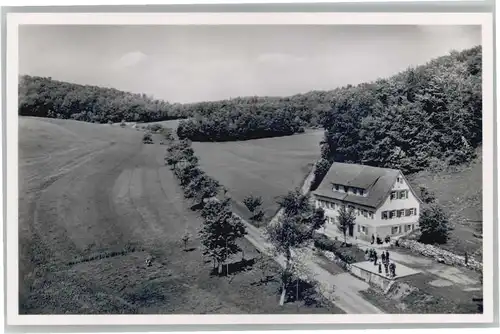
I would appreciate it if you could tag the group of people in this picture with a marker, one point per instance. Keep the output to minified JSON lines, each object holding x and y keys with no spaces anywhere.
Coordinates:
{"x":390,"y":268}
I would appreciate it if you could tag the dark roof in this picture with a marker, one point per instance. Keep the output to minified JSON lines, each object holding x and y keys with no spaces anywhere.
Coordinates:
{"x":377,"y":181}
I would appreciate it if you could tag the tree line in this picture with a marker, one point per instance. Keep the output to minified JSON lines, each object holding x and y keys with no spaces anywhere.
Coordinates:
{"x":428,"y":116}
{"x":221,"y":228}
{"x":423,"y":116}
{"x":45,"y":97}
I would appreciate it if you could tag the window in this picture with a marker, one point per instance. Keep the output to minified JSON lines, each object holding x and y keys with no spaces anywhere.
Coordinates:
{"x":365,"y":213}
{"x":384,"y":215}
{"x":371,"y":215}
{"x":394,"y":230}
{"x":363,"y":229}
{"x":411,"y":212}
{"x":401,"y":213}
{"x":354,"y":191}
{"x":346,"y":189}
{"x":407,"y":228}
{"x":403,"y":194}
{"x":394,"y":194}
{"x":392,"y":214}
{"x":400,"y":179}
{"x":337,"y":187}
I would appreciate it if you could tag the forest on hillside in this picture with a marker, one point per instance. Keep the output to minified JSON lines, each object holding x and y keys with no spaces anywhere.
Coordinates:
{"x":44,"y":97}
{"x":425,"y":115}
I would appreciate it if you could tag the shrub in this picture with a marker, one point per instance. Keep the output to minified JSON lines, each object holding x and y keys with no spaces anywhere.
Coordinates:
{"x":434,"y":225}
{"x":347,"y":253}
{"x":147,"y":137}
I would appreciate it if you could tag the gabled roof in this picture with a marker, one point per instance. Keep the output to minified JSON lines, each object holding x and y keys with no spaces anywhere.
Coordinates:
{"x":377,"y":181}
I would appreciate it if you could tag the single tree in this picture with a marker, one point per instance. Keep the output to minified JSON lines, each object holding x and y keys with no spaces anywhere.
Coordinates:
{"x":264,"y":263}
{"x":434,"y":225}
{"x":185,"y":238}
{"x":426,"y":195}
{"x":346,"y":220}
{"x":168,"y":134}
{"x":294,"y":229}
{"x":254,"y":204}
{"x":221,"y":228}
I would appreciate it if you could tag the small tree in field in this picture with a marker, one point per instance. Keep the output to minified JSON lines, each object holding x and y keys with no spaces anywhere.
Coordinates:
{"x":346,"y":220}
{"x":253,"y":204}
{"x":434,"y":225}
{"x":221,"y":229}
{"x":185,"y":238}
{"x":168,"y":133}
{"x":427,"y":196}
{"x":265,"y":263}
{"x":293,"y":230}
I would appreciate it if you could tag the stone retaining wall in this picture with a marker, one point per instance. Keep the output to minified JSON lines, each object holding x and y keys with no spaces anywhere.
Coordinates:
{"x":438,"y":254}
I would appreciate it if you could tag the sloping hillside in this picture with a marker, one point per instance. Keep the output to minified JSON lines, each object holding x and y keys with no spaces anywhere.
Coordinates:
{"x":459,"y":191}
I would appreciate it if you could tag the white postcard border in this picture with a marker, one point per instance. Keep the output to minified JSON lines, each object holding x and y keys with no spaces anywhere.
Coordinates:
{"x":16,"y":19}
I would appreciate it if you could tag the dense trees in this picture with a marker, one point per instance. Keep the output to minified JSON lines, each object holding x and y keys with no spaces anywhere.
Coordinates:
{"x":434,"y":225}
{"x":221,"y":228}
{"x":44,"y":97}
{"x":293,"y":230}
{"x":409,"y":121}
{"x":423,"y":116}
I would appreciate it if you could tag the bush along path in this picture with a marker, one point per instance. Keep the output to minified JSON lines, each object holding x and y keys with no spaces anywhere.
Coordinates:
{"x":342,"y":290}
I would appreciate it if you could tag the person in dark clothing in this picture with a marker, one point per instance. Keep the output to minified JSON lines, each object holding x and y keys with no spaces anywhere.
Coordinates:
{"x":383,"y":257}
{"x":373,"y":239}
{"x":376,"y":258}
{"x":387,"y":255}
{"x":380,"y":268}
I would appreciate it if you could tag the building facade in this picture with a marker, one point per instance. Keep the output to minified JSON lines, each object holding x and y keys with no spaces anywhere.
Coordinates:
{"x":383,"y":201}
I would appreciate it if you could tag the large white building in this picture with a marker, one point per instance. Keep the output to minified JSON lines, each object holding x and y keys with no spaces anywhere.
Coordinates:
{"x":382,"y":199}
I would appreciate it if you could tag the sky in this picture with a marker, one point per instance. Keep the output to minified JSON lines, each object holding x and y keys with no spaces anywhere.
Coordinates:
{"x":200,"y":63}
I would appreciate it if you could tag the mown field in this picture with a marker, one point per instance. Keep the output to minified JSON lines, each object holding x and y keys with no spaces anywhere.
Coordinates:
{"x":94,"y":204}
{"x":265,"y":167}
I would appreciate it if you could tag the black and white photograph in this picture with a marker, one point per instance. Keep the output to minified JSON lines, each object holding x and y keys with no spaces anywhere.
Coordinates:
{"x":321,"y":169}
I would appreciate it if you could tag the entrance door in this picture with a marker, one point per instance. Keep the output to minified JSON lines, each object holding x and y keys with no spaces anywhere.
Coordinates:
{"x":351,"y":230}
